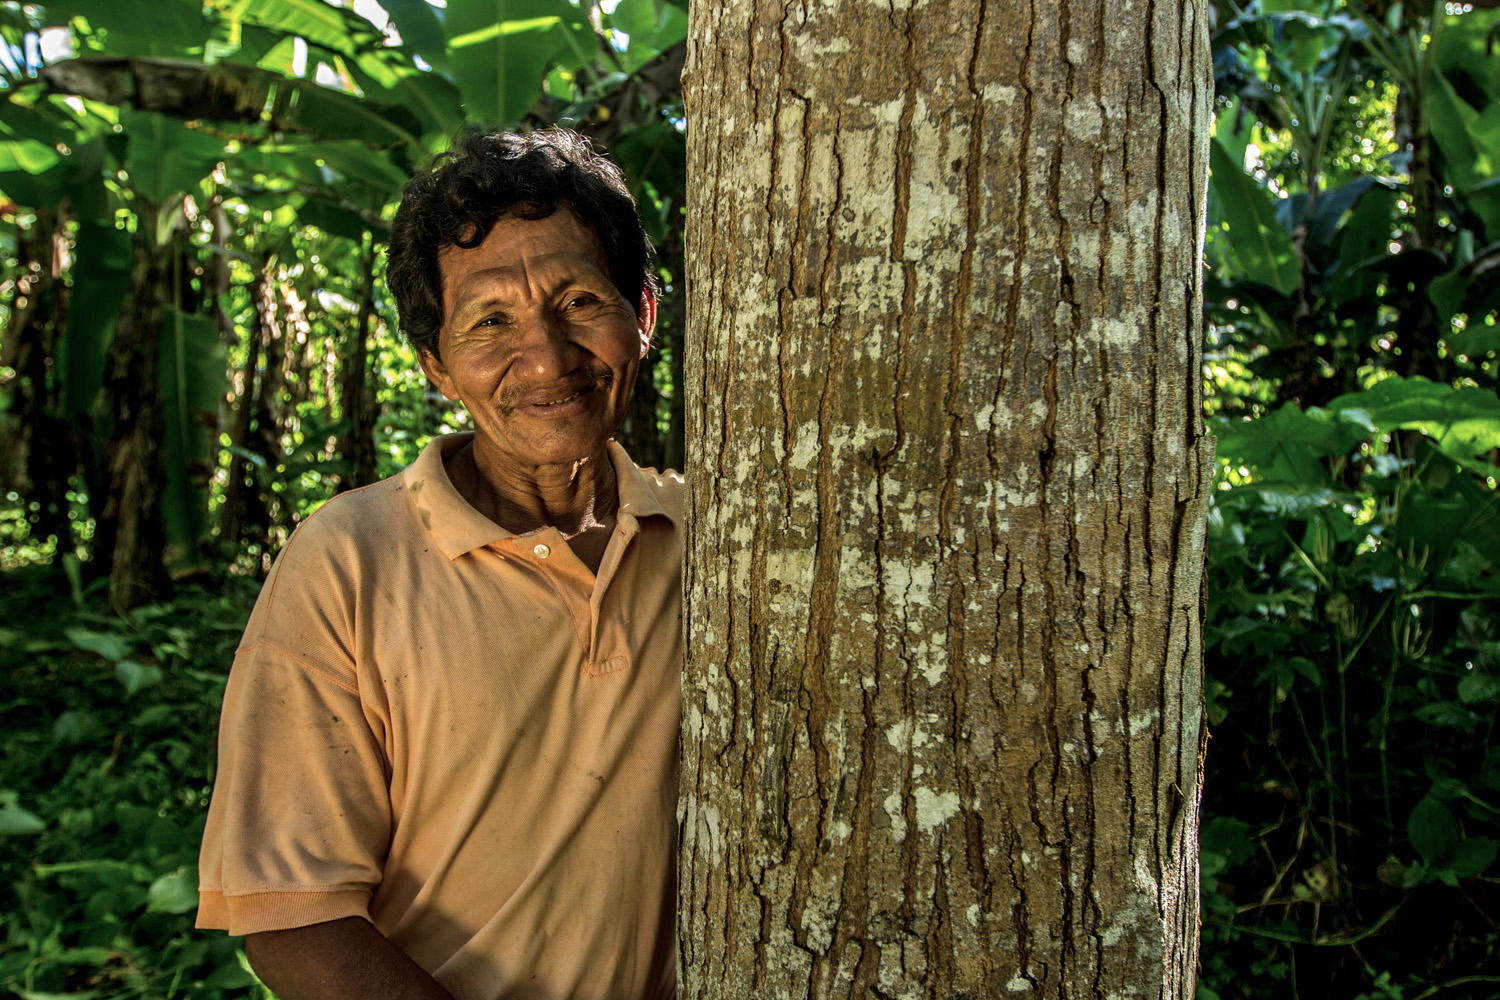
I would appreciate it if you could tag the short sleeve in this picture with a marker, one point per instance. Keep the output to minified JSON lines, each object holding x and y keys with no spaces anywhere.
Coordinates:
{"x":300,"y":820}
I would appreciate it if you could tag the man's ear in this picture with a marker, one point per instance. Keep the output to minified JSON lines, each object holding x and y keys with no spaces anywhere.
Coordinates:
{"x":436,"y":372}
{"x":645,"y":319}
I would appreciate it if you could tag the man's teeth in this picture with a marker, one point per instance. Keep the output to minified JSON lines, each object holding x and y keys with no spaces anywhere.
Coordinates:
{"x":555,"y":402}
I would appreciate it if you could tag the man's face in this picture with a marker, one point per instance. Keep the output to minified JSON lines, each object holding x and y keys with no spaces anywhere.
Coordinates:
{"x":537,"y":341}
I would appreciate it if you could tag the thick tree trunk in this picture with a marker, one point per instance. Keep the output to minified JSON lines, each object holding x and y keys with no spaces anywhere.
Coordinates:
{"x":942,"y":716}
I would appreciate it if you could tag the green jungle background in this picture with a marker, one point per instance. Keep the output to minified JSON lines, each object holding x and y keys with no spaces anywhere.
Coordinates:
{"x":198,"y":350}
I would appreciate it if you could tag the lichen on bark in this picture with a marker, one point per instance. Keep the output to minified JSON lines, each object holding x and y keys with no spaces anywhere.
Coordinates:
{"x":946,"y":482}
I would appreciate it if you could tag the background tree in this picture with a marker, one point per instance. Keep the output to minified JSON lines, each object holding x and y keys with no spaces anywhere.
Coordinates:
{"x":219,"y":177}
{"x":1353,"y":782}
{"x":947,"y":485}
{"x":1352,"y":794}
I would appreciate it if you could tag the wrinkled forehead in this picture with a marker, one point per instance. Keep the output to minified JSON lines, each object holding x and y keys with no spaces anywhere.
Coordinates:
{"x":526,"y":232}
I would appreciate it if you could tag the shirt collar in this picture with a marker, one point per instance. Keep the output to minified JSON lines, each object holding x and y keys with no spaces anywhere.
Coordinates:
{"x":457,"y":528}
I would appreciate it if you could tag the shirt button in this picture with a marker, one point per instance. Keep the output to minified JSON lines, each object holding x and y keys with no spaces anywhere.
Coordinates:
{"x":542,"y":551}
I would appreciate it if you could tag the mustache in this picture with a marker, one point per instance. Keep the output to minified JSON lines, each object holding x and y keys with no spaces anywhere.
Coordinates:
{"x":583,"y":380}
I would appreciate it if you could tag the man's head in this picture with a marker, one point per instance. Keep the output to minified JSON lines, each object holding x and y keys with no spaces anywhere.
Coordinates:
{"x":486,"y":177}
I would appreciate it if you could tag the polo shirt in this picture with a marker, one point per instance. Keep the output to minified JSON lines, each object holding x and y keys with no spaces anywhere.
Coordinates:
{"x":462,"y":735}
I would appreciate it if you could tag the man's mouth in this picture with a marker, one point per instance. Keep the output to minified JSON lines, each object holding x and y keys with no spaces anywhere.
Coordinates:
{"x":567,"y":399}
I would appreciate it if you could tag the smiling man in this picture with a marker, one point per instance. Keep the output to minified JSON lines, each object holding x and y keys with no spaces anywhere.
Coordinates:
{"x":448,"y":753}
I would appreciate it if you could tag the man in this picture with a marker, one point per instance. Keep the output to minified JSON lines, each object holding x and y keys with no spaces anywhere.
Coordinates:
{"x":448,"y":753}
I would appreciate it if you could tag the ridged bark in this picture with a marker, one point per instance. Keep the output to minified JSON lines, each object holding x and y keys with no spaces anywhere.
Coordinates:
{"x":947,"y":485}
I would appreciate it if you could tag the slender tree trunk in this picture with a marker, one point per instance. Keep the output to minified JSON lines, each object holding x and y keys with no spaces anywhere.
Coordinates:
{"x":128,"y":532}
{"x":357,"y":444}
{"x":241,"y":491}
{"x":36,"y":454}
{"x":947,"y":483}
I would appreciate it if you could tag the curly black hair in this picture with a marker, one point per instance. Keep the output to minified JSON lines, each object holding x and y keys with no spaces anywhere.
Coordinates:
{"x":487,"y":176}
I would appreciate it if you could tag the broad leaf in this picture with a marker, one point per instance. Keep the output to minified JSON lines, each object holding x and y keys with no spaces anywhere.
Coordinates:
{"x":14,"y":820}
{"x":500,"y":50}
{"x":421,"y":28}
{"x":101,"y":279}
{"x":139,"y":27}
{"x":1464,"y":423}
{"x":166,"y":157}
{"x":191,"y":375}
{"x":1261,"y":246}
{"x":105,"y":644}
{"x":1432,"y":830}
{"x":1456,"y":128}
{"x":1467,"y":47}
{"x":1290,"y":432}
{"x":318,"y":22}
{"x":1364,"y":248}
{"x":175,"y":892}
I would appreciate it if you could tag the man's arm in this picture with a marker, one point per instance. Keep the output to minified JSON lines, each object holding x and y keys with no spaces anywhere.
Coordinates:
{"x":344,"y":959}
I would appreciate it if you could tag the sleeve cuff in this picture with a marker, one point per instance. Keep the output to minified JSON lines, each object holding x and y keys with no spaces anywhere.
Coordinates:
{"x":278,"y":911}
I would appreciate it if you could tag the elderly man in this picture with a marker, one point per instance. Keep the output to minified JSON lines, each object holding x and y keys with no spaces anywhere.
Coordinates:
{"x":448,"y":754}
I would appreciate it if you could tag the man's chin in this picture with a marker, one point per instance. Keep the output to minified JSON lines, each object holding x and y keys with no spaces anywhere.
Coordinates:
{"x":543,"y":450}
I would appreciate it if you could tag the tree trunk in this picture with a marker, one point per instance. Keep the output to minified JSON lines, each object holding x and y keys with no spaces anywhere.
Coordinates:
{"x":36,"y":454}
{"x":129,"y":532}
{"x":357,"y":396}
{"x":242,"y":505}
{"x":947,"y":484}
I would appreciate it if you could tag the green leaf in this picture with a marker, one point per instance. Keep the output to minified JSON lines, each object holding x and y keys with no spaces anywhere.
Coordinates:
{"x":1292,"y":442}
{"x":1478,"y":686}
{"x":430,"y":96}
{"x":304,"y":106}
{"x":139,"y":27}
{"x":652,"y":25}
{"x":136,"y":676}
{"x":1472,"y":856}
{"x":1446,"y":714}
{"x":1261,"y":246}
{"x":500,"y":50}
{"x":166,"y":157}
{"x":25,"y":154}
{"x":1285,"y":500}
{"x":74,"y":726}
{"x":175,"y":892}
{"x":1364,"y":247}
{"x":106,"y":644}
{"x":230,"y":976}
{"x":332,"y":218}
{"x":1432,"y":830}
{"x":14,"y":820}
{"x":191,"y":375}
{"x":1464,"y":422}
{"x":1467,"y":158}
{"x":421,"y":28}
{"x":101,"y":267}
{"x":340,"y":30}
{"x":1466,"y":48}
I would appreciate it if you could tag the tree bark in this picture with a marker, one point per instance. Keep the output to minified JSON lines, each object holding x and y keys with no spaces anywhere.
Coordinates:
{"x":129,"y":532}
{"x":357,"y":396}
{"x":947,"y":485}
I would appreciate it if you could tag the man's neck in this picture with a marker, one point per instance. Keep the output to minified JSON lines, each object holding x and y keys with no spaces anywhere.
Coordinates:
{"x":572,"y":498}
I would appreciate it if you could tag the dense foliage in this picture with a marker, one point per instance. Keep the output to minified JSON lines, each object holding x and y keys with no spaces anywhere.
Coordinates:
{"x":1352,"y":797}
{"x":198,"y":350}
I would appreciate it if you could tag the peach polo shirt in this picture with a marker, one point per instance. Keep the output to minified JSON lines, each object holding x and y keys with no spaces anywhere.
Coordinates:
{"x":464,"y":736}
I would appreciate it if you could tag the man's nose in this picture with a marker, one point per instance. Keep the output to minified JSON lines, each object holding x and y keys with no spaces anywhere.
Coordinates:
{"x":547,"y":351}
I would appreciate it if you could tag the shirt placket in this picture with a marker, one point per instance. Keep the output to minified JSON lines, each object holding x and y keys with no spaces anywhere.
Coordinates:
{"x":607,"y":649}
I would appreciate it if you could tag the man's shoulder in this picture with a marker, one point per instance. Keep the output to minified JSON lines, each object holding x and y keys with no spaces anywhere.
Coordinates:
{"x":359,"y":518}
